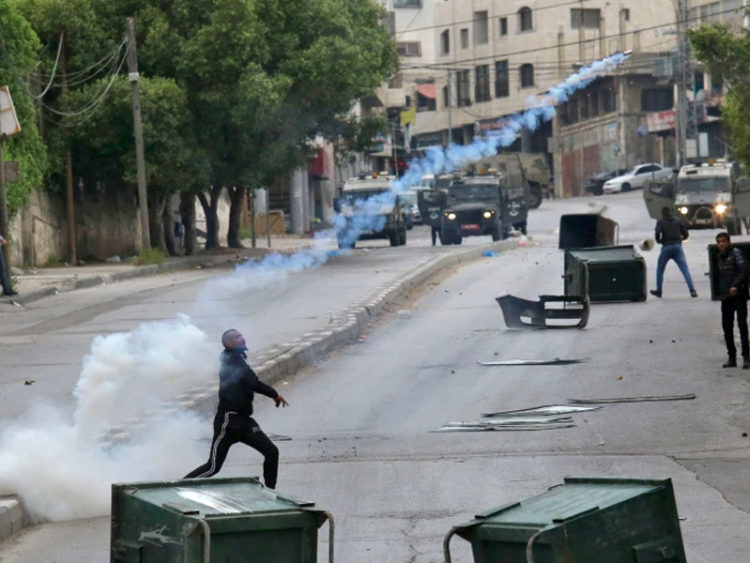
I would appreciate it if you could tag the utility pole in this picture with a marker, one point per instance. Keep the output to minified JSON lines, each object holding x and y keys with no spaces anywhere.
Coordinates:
{"x":138,"y":134}
{"x":70,"y":210}
{"x":448,"y":102}
{"x":685,"y":122}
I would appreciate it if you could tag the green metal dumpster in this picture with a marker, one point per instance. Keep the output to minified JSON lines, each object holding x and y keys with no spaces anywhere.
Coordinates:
{"x":713,"y":265}
{"x":607,"y":273}
{"x":210,"y":520}
{"x":584,"y":520}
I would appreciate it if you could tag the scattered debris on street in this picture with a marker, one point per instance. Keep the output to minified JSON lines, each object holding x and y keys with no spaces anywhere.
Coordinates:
{"x":551,"y":311}
{"x":555,"y":362}
{"x":547,"y":410}
{"x":686,"y":397}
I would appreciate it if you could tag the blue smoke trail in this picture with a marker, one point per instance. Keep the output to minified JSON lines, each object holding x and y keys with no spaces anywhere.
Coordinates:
{"x":366,"y":214}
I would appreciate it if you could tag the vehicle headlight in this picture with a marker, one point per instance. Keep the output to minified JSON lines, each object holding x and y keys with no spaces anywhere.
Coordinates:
{"x":451,"y":216}
{"x":720,"y":208}
{"x":487,"y":214}
{"x":683,"y":210}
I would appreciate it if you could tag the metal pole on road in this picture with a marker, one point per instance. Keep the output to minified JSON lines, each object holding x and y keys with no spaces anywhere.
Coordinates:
{"x":138,"y":133}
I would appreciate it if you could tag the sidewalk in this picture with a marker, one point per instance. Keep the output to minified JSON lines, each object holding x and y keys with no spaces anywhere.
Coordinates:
{"x":33,"y":284}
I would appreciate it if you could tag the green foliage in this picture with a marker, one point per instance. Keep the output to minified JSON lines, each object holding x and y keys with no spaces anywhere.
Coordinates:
{"x":232,"y":90}
{"x":105,"y":140}
{"x":726,"y":55}
{"x":18,"y":46}
{"x":150,"y":256}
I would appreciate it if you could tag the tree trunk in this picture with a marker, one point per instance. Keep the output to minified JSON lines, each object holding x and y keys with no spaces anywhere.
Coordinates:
{"x":237,"y":197}
{"x":170,"y":227}
{"x":155,"y":223}
{"x":187,"y":214}
{"x":212,"y":217}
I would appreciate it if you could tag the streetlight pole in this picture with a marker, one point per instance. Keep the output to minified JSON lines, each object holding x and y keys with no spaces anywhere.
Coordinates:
{"x":448,"y":102}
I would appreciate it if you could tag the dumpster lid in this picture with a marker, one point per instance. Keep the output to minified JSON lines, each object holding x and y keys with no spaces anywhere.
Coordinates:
{"x":605,"y":253}
{"x":576,"y":497}
{"x":212,"y":496}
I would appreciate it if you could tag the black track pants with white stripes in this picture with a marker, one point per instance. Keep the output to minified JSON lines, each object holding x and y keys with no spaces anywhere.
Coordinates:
{"x":230,"y":428}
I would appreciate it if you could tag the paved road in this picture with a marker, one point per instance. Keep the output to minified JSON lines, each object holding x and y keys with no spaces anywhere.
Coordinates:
{"x":361,"y":419}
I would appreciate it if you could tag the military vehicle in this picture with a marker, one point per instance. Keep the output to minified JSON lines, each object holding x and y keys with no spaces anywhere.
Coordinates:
{"x":474,"y":206}
{"x":370,"y":211}
{"x":711,"y":195}
{"x":518,"y":168}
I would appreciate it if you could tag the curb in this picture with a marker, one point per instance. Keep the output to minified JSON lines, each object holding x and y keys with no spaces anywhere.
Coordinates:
{"x":12,"y":516}
{"x":187,"y":263}
{"x":277,"y":362}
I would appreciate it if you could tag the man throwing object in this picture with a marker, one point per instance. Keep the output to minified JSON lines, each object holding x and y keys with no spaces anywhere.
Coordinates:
{"x":233,"y":422}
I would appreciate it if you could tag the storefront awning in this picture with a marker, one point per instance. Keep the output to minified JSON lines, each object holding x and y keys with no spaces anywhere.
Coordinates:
{"x":426,"y":90}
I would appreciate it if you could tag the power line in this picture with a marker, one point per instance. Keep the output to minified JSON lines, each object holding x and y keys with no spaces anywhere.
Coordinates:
{"x":54,"y":68}
{"x":93,"y":104}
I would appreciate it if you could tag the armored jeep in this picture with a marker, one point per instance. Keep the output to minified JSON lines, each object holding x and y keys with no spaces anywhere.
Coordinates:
{"x":712,"y":194}
{"x":369,"y":210}
{"x":474,"y":206}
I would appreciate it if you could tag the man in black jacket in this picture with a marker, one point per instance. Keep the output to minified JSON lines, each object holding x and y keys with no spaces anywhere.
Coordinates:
{"x":233,"y":422}
{"x":734,"y":293}
{"x":670,"y":232}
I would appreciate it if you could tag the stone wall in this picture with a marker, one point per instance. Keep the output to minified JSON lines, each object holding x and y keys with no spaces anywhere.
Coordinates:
{"x":106,"y":225}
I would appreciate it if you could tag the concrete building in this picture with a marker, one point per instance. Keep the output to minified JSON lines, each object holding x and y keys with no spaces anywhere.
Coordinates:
{"x":466,"y":64}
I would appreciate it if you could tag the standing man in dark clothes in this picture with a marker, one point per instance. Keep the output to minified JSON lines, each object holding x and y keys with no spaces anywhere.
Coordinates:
{"x":233,"y":422}
{"x":670,"y":232}
{"x":733,"y":292}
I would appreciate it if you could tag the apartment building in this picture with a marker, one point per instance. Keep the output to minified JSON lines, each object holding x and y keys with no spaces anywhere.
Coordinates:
{"x":467,"y":64}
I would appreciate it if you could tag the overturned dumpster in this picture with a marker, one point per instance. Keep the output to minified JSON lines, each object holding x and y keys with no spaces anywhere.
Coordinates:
{"x":583,"y":520}
{"x":205,"y":520}
{"x":605,"y":274}
{"x":587,"y":230}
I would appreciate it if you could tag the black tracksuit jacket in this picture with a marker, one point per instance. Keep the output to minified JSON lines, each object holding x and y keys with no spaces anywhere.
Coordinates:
{"x":732,"y":272}
{"x":237,"y":384}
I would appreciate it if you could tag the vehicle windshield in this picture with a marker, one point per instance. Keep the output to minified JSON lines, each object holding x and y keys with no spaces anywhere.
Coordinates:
{"x":409,"y":197}
{"x":704,"y":185}
{"x":473,"y":191}
{"x":427,"y":182}
{"x":362,"y":195}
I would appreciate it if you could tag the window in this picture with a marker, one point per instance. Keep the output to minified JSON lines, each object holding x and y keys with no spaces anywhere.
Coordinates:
{"x":585,"y":17}
{"x":525,"y":22}
{"x":446,"y":96}
{"x":426,"y":94}
{"x":481,"y":35}
{"x":501,"y":79}
{"x":409,"y":48}
{"x":465,"y":38}
{"x":407,"y":3}
{"x":657,"y":99}
{"x":445,"y":42}
{"x":503,"y":26}
{"x":608,"y":100}
{"x":527,"y":75}
{"x":462,"y":86}
{"x":625,"y":12}
{"x":482,"y":83}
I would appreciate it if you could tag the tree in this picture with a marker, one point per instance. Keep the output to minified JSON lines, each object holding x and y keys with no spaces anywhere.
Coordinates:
{"x":266,"y":77}
{"x":18,"y":47}
{"x":726,"y":55}
{"x":104,"y":145}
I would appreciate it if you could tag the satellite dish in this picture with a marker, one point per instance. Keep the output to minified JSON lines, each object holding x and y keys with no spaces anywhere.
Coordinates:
{"x":701,"y":95}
